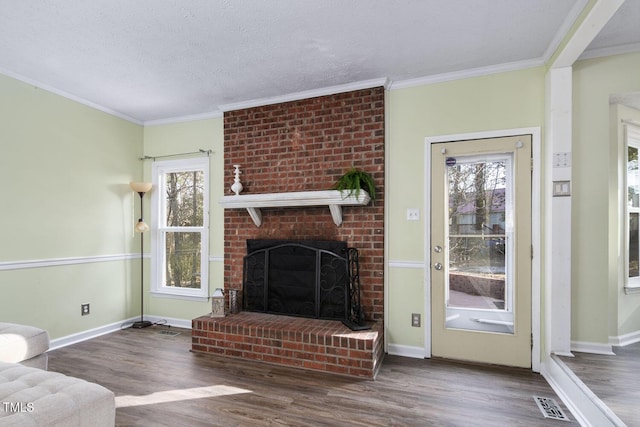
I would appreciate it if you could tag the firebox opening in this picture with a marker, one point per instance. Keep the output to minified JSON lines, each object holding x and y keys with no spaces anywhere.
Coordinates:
{"x":297,"y":278}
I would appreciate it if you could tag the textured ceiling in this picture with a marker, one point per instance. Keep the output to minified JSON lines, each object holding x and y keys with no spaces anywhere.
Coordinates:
{"x":621,"y":33}
{"x":150,"y":60}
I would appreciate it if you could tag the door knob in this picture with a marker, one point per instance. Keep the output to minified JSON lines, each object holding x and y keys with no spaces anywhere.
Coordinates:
{"x":437,"y":266}
{"x":437,"y":249}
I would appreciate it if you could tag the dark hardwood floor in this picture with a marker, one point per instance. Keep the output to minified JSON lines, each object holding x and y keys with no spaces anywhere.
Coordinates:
{"x":159,"y":382}
{"x":614,"y":379}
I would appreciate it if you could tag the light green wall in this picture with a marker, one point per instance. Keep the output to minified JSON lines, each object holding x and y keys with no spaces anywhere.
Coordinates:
{"x":494,"y":102}
{"x":406,"y":296}
{"x":65,"y":170}
{"x":595,"y":212}
{"x":189,"y":137}
{"x":509,"y":100}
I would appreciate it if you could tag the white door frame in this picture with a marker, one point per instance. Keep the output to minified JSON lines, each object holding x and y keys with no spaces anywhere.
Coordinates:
{"x":535,"y":229}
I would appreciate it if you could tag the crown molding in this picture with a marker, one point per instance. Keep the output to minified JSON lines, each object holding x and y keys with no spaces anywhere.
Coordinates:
{"x":610,"y":51}
{"x":465,"y":74}
{"x":183,"y":119}
{"x":297,"y":96}
{"x":69,"y":96}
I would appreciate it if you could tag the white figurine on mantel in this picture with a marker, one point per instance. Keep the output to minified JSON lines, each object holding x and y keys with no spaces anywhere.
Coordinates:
{"x":237,"y":185}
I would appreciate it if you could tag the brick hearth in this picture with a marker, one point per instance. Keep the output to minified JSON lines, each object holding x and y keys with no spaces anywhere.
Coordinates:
{"x":319,"y":345}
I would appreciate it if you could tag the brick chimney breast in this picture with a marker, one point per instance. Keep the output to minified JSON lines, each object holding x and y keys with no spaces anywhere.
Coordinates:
{"x":307,"y":145}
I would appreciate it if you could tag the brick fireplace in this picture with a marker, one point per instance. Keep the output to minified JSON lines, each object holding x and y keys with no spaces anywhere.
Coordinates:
{"x":304,"y":145}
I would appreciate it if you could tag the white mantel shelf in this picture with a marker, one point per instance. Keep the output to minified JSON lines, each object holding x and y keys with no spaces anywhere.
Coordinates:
{"x":335,"y":199}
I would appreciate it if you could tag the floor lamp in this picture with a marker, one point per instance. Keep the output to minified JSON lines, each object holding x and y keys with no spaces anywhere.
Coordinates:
{"x":141,"y":227}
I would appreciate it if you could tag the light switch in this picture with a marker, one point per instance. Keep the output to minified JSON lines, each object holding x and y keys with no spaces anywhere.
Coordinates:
{"x":561,"y":188}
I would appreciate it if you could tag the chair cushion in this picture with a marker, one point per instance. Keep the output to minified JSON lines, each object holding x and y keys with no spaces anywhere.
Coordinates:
{"x":33,"y":397}
{"x":20,"y":342}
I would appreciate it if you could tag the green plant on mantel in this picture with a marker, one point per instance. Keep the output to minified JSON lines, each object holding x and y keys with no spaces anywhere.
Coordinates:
{"x":355,"y":180}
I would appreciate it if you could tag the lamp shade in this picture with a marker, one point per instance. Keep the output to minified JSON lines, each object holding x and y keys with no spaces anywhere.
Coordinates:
{"x":141,"y":226}
{"x":140,"y":187}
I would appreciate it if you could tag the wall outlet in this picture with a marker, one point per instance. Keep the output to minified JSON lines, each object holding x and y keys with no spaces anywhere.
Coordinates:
{"x":415,"y":320}
{"x":84,"y":309}
{"x":413,"y":214}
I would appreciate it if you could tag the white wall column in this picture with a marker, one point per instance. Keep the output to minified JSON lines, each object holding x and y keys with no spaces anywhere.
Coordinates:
{"x":558,"y":210}
{"x":558,"y":143}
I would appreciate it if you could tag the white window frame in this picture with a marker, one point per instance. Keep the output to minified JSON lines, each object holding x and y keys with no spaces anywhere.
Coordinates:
{"x":158,"y":229}
{"x":632,"y":139}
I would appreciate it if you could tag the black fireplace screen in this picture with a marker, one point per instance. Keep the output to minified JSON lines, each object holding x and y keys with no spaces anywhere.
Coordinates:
{"x":297,"y":278}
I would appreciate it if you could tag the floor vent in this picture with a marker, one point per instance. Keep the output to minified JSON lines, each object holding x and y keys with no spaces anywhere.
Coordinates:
{"x":550,"y":408}
{"x":169,"y":333}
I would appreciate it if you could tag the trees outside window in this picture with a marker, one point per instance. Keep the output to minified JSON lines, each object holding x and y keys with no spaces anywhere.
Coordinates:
{"x":181,"y":225}
{"x":633,"y":207}
{"x":479,"y":196}
{"x":477,"y":199}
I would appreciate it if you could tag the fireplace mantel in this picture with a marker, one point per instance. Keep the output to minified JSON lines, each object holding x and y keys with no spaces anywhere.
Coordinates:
{"x":335,"y":199}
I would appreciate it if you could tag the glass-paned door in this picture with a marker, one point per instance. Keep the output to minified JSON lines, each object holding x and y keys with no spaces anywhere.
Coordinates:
{"x":481,"y":254}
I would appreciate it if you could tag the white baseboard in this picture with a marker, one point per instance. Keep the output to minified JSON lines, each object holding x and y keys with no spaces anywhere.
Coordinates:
{"x":592,"y":347}
{"x":107,"y":329}
{"x":406,"y":351}
{"x":170,"y":321}
{"x":625,"y":339}
{"x":87,"y":335}
{"x":584,"y":405}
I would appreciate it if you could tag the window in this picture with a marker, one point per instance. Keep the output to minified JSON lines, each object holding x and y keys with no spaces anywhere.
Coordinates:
{"x":180,"y":223}
{"x":633,"y":207}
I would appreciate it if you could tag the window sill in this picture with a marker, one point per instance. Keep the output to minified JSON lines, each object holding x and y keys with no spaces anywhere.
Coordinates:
{"x":632,"y":290}
{"x":179,"y":296}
